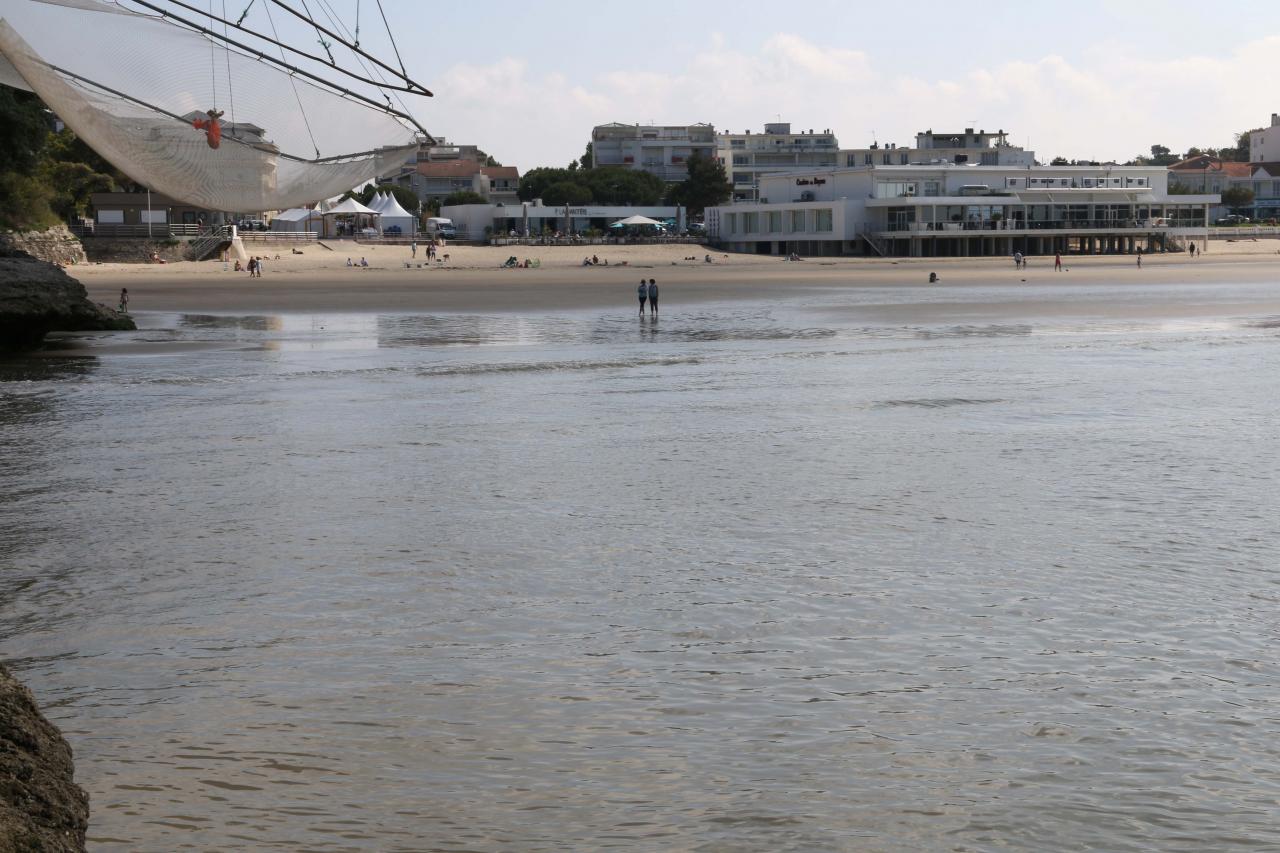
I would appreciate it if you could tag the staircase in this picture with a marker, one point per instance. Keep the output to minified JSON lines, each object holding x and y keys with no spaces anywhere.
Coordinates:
{"x":202,"y":247}
{"x":871,"y":241}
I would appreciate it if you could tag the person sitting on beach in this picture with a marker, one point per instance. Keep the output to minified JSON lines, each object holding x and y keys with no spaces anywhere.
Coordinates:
{"x":296,"y":251}
{"x":363,"y":262}
{"x":586,"y":262}
{"x":156,"y":259}
{"x":594,"y":260}
{"x":349,"y":263}
{"x":707,"y":259}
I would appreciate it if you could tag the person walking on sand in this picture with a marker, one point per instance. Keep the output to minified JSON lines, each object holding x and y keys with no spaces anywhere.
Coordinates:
{"x":124,"y":300}
{"x":1057,"y":263}
{"x":643,"y":292}
{"x":653,"y":297}
{"x":413,"y":249}
{"x":1139,"y":259}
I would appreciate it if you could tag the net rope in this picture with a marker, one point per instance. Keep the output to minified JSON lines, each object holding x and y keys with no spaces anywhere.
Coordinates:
{"x":126,"y":83}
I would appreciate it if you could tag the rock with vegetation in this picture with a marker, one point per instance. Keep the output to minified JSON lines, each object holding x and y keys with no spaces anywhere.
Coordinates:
{"x":42,"y":810}
{"x":38,"y":297}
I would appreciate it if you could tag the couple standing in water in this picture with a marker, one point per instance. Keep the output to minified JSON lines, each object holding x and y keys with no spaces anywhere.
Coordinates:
{"x":648,"y":291}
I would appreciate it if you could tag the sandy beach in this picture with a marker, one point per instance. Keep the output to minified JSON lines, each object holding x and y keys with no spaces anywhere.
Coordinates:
{"x":473,"y":280}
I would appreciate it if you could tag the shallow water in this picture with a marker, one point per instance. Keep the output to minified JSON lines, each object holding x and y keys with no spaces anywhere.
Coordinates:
{"x":758,"y":577}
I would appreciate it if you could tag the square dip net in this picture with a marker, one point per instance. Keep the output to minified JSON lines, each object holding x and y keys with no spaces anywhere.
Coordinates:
{"x":145,"y":92}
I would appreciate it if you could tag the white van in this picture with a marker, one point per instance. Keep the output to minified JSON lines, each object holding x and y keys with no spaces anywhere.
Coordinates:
{"x":439,"y":226}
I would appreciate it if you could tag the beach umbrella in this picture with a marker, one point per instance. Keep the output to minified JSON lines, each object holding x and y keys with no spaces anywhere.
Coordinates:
{"x":635,"y":220}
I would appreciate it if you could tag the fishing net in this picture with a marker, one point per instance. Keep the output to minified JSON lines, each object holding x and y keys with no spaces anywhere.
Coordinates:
{"x":131,"y":85}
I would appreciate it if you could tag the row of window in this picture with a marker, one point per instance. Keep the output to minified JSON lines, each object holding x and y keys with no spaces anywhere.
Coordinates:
{"x":779,"y":222}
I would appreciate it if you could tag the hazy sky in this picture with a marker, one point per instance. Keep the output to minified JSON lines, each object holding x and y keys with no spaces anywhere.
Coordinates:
{"x":1086,"y":79}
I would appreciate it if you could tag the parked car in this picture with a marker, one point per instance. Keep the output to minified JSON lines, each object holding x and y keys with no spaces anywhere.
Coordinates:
{"x":697,"y":228}
{"x":253,"y":225}
{"x":368,"y":232}
{"x":1233,"y":219}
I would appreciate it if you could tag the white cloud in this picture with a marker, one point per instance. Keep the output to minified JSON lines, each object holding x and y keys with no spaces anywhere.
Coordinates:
{"x":1109,"y":104}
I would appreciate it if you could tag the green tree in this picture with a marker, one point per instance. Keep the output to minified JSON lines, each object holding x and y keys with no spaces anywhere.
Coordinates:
{"x":70,"y":185}
{"x":1237,"y":196}
{"x":1059,"y":161}
{"x":620,"y":185}
{"x":567,"y":192}
{"x":463,"y":197}
{"x":587,"y":160}
{"x":706,"y":186}
{"x":1162,"y":156}
{"x":24,"y":130}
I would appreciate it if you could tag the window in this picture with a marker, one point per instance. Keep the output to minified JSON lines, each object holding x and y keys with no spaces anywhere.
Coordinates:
{"x":155,"y":216}
{"x":741,"y":159}
{"x":932,"y":188}
{"x":866,"y":159}
{"x":111,"y":217}
{"x":775,"y":222}
{"x":750,"y":223}
{"x":730,"y":223}
{"x":737,"y":143}
{"x":797,"y":220}
{"x":822,"y":220}
{"x":895,"y":189}
{"x":741,"y":178}
{"x":903,"y":159}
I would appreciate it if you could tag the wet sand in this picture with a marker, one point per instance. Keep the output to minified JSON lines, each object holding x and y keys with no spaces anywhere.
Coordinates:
{"x":473,"y":280}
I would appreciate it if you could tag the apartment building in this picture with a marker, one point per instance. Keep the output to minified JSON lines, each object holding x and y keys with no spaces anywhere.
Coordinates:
{"x":968,"y":147}
{"x":1264,"y":145}
{"x":659,"y":150}
{"x":747,"y":156}
{"x":948,"y":209}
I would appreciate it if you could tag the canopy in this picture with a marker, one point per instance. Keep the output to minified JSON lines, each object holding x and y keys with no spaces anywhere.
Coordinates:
{"x":350,"y":205}
{"x":636,"y":220}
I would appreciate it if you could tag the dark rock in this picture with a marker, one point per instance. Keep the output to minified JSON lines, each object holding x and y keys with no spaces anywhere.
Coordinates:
{"x":42,"y":810}
{"x":37,"y":298}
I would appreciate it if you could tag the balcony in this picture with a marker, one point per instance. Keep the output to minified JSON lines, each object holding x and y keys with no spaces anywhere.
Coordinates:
{"x":1082,"y":225}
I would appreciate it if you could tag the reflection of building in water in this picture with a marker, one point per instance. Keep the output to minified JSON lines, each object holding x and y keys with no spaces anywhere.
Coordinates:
{"x":400,"y":330}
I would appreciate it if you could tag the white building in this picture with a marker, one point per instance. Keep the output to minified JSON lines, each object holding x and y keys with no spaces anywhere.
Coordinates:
{"x":659,"y":150}
{"x":962,"y":210}
{"x":533,"y":218}
{"x":975,"y":147}
{"x":747,"y":156}
{"x":1264,"y":145}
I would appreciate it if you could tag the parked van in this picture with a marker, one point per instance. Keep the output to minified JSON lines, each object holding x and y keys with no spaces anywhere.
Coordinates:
{"x":439,"y":226}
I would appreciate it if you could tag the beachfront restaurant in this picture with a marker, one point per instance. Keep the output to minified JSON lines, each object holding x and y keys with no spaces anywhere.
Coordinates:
{"x":534,"y":219}
{"x":949,"y":210}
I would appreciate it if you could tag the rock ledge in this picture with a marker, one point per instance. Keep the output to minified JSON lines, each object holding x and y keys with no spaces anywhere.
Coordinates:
{"x":38,"y":297}
{"x":41,"y":809}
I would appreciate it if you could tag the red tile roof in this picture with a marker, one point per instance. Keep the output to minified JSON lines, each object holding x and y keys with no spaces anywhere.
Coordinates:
{"x":510,"y":172}
{"x":454,"y":169}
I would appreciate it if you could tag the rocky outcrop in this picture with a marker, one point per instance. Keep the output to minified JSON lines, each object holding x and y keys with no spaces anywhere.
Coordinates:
{"x":41,"y":809}
{"x":37,"y":298}
{"x":56,"y":245}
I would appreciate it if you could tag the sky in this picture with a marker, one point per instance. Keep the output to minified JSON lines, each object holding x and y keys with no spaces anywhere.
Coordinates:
{"x":1091,"y":79}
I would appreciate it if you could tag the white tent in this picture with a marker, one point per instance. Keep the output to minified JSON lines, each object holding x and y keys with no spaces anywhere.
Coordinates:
{"x":392,"y":214}
{"x":636,"y":220}
{"x":357,"y":215}
{"x":298,"y":219}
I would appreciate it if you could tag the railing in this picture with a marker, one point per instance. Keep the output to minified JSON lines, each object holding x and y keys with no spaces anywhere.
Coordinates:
{"x":1040,"y":225}
{"x":201,"y":247}
{"x":154,"y":231}
{"x":592,"y":241}
{"x":278,"y":236}
{"x":1235,"y":232}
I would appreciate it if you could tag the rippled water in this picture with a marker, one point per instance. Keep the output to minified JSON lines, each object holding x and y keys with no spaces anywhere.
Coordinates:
{"x":761,"y":577}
